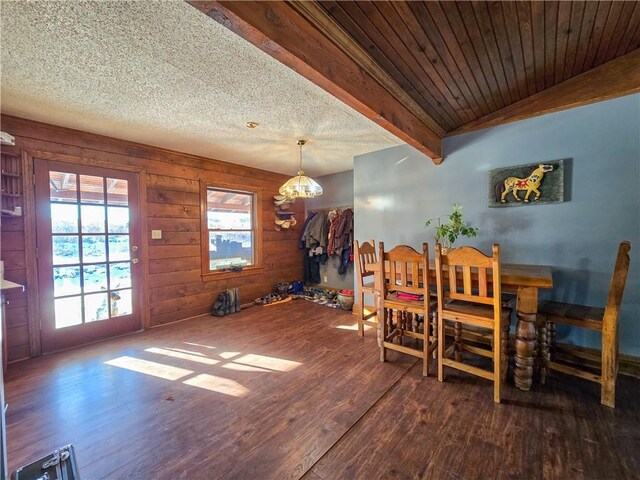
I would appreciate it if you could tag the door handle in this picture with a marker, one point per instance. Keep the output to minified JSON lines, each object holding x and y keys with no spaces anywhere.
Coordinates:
{"x":134,"y":260}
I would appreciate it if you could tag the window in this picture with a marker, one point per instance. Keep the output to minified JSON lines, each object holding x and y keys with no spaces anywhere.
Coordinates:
{"x":230,"y":234}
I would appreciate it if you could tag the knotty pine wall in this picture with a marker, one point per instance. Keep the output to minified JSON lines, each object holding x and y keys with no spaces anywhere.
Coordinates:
{"x":176,"y":288}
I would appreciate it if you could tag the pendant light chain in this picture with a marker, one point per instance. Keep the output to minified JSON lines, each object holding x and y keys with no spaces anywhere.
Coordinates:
{"x":300,"y":168}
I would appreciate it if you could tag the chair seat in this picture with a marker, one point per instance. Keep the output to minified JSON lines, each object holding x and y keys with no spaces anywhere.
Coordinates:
{"x":571,"y":314}
{"x":415,"y":306}
{"x":484,"y":312}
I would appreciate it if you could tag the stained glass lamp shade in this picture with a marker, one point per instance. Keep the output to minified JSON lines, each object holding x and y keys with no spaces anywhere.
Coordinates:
{"x":301,"y":186}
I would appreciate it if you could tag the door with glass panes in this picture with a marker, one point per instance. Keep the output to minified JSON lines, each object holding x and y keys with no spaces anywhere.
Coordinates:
{"x":88,"y":237}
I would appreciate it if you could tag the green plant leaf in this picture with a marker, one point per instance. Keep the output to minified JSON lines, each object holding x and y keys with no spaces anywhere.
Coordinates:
{"x":448,"y":233}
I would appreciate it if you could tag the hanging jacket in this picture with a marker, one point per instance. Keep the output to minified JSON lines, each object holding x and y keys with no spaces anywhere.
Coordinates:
{"x":333,"y":223}
{"x":317,"y":231}
{"x":303,"y":238}
{"x":343,"y":230}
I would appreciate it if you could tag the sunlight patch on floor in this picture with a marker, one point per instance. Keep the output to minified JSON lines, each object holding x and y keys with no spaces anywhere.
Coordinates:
{"x":354,"y":327}
{"x":217,"y":384}
{"x":271,"y":363}
{"x":185,"y":351}
{"x":199,"y":345}
{"x":149,"y":368}
{"x":244,"y":368}
{"x":182,"y":356}
{"x":228,"y":355}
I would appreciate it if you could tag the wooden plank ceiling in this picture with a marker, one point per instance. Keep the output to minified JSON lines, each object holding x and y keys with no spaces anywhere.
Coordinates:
{"x":456,"y":66}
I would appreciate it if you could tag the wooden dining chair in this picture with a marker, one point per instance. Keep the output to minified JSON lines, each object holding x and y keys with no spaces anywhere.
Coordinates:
{"x":475,"y":302}
{"x":604,"y":320}
{"x":364,"y":254}
{"x":404,"y":301}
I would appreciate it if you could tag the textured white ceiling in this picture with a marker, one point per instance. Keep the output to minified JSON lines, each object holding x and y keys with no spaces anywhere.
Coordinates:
{"x":162,"y":73}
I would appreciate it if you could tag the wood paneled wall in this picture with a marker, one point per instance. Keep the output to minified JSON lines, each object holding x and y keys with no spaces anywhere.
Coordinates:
{"x":176,"y":289}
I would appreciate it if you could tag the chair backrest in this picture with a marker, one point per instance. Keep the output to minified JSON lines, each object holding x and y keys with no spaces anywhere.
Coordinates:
{"x":616,"y":289}
{"x":472,"y":266}
{"x":404,"y":269}
{"x":364,"y":253}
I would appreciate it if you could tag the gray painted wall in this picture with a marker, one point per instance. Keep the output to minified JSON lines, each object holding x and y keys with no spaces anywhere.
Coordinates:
{"x":397,"y":189}
{"x":338,"y":192}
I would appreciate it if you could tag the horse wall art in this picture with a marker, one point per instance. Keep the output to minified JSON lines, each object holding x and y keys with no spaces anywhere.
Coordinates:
{"x":537,"y":183}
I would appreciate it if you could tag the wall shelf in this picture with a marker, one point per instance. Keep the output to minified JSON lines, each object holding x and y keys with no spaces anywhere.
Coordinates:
{"x":11,"y":181}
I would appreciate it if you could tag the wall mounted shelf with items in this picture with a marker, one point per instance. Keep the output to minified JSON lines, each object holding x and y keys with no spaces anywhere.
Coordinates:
{"x":284,"y":218}
{"x":11,"y":184}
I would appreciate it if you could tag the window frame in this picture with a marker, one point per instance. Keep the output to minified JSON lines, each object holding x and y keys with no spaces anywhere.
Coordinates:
{"x":256,"y":217}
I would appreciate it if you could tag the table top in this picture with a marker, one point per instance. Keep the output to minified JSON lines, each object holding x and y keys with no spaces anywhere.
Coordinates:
{"x":511,"y":274}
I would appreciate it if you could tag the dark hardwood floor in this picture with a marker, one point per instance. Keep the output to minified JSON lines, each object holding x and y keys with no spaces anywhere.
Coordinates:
{"x":284,"y":392}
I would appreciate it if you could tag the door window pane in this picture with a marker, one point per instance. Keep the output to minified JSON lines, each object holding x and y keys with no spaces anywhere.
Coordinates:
{"x":64,"y":218}
{"x":93,"y":217}
{"x":95,"y":277}
{"x":91,"y":189}
{"x":94,"y":248}
{"x":117,"y":191}
{"x":68,"y":311}
{"x":65,"y":249}
{"x":96,"y":307}
{"x":66,"y":281}
{"x":62,"y":187}
{"x":229,"y":249}
{"x":120,"y":275}
{"x":118,"y":247}
{"x":121,"y":303}
{"x":118,"y":219}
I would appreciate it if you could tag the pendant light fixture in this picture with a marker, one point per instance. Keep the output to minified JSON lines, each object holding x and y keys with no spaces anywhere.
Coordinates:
{"x":301,"y":186}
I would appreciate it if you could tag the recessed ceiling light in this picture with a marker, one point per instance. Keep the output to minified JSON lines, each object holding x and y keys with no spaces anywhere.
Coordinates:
{"x":251,"y":124}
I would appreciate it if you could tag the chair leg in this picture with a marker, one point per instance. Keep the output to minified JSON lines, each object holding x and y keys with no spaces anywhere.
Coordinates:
{"x":361,"y":314}
{"x":609,"y":367}
{"x":505,"y":350}
{"x":497,"y":364}
{"x":458,"y":341}
{"x":382,"y":329}
{"x":376,"y":302}
{"x":425,"y":345}
{"x":434,"y":332}
{"x":415,"y":322}
{"x":440,"y":349}
{"x":551,"y":339}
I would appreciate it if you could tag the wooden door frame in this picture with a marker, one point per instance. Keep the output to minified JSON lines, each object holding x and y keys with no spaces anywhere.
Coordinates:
{"x":31,"y":256}
{"x":28,"y":158}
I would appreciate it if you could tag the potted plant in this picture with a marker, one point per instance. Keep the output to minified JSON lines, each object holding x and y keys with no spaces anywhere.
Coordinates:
{"x":448,"y":233}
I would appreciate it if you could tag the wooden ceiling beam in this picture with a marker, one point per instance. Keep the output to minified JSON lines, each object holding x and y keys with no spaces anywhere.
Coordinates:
{"x":283,"y":32}
{"x":613,"y":79}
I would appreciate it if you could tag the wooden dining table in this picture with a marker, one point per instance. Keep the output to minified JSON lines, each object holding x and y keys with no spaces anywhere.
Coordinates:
{"x":532,"y":346}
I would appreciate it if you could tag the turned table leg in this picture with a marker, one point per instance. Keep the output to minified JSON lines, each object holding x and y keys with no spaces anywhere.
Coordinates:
{"x":527,"y":308}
